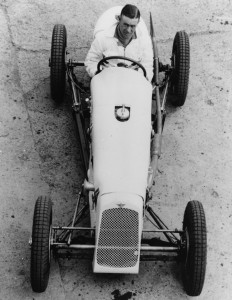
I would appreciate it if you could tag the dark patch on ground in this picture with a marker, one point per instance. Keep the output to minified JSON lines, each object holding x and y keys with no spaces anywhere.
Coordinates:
{"x":117,"y":295}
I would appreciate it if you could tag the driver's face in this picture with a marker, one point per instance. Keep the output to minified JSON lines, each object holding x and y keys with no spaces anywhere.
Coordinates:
{"x":127,"y":26}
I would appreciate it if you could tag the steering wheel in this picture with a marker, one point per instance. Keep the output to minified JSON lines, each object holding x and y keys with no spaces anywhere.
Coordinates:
{"x":134,"y":62}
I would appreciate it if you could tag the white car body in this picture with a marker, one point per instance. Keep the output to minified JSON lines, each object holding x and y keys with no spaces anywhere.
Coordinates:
{"x":119,"y":163}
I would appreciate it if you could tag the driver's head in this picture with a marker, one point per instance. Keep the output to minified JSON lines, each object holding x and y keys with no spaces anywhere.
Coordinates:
{"x":128,"y":20}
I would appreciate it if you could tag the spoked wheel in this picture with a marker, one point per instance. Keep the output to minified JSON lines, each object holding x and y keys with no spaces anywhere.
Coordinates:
{"x":181,"y":64}
{"x":41,"y":241}
{"x":57,"y":62}
{"x":194,"y":248}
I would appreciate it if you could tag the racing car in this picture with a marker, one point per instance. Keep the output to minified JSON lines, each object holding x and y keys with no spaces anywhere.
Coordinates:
{"x":120,"y":142}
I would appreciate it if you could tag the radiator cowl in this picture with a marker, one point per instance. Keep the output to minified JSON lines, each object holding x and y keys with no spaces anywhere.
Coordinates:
{"x":118,"y":233}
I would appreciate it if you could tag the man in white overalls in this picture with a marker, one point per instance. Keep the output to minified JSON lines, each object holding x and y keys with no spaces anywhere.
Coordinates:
{"x":121,"y":32}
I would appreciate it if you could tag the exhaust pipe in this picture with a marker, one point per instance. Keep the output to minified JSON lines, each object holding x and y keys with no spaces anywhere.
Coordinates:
{"x":155,"y":154}
{"x":156,"y":142}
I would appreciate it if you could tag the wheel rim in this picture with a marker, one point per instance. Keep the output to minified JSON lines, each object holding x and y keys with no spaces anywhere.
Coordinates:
{"x":50,"y":240}
{"x":186,"y":248}
{"x":173,"y":60}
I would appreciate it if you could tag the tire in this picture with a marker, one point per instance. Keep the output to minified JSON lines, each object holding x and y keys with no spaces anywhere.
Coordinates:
{"x":57,"y":63}
{"x":195,"y":250}
{"x":40,"y":248}
{"x":181,"y":64}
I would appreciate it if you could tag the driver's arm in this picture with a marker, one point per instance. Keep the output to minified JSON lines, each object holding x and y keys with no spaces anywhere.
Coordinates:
{"x":94,"y":55}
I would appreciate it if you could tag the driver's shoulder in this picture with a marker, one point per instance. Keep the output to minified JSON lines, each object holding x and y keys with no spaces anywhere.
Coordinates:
{"x":106,"y":33}
{"x":105,"y":40}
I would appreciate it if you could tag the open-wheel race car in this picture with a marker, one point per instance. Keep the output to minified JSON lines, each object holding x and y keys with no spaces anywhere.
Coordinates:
{"x":120,"y":143}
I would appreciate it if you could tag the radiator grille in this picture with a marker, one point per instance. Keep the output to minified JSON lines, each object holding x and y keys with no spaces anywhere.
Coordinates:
{"x":118,"y":243}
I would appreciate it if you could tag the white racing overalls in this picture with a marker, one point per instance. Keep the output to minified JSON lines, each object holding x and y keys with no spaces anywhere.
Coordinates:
{"x":106,"y":44}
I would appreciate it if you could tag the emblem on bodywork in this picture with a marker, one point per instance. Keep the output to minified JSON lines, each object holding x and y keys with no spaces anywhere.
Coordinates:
{"x":122,"y":113}
{"x":121,"y":205}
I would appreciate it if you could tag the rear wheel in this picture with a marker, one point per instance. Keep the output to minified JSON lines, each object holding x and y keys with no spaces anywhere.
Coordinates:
{"x":40,"y":248}
{"x":195,"y":248}
{"x":181,"y":64}
{"x":57,"y":62}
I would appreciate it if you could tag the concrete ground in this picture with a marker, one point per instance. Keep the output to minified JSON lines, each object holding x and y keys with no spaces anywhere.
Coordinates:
{"x":40,"y":154}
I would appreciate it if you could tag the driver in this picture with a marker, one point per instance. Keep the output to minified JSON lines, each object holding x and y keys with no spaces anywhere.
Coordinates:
{"x":121,"y":32}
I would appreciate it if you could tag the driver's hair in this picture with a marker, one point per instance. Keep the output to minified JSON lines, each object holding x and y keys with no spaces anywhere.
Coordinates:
{"x":131,"y":11}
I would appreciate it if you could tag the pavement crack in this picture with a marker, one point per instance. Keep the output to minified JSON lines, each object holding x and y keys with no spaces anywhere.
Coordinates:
{"x":78,"y":48}
{"x":5,"y":11}
{"x":193,"y":34}
{"x":20,"y":48}
{"x":206,"y":32}
{"x":15,"y":57}
{"x":4,"y":135}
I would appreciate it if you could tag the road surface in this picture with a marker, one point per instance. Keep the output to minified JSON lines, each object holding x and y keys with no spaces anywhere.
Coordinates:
{"x":40,"y":154}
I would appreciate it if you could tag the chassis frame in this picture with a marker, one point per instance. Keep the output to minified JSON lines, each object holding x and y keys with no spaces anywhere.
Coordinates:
{"x":62,"y":236}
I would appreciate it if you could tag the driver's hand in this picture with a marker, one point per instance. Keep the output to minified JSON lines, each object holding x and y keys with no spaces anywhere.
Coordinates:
{"x":134,"y":67}
{"x":121,"y":64}
{"x":106,"y":64}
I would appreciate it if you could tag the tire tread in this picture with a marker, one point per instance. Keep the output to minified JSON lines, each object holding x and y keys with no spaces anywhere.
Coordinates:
{"x":40,"y":264}
{"x":180,"y":78}
{"x":194,"y":220}
{"x":57,"y":72}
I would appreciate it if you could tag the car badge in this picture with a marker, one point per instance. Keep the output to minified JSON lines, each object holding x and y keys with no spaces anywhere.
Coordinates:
{"x":121,"y":205}
{"x":122,"y":113}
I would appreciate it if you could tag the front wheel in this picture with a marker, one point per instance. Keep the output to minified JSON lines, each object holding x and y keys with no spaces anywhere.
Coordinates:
{"x":194,"y":253}
{"x":57,"y":62}
{"x":181,"y":63}
{"x":40,"y":248}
